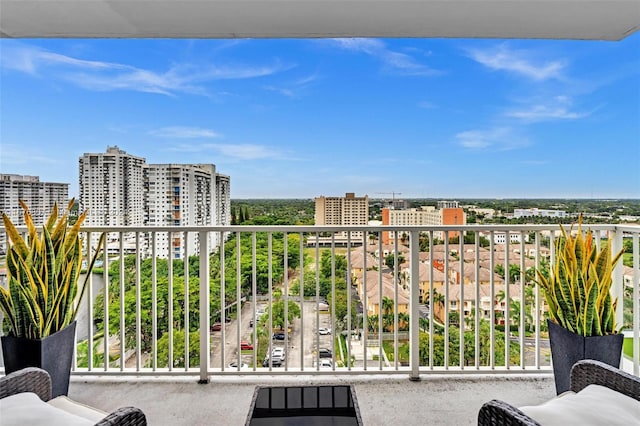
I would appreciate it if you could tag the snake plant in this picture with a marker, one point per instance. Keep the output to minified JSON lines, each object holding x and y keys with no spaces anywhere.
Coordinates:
{"x":577,"y":290}
{"x":43,"y":271}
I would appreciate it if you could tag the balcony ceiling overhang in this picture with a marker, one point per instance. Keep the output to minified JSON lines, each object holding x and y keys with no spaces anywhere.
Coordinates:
{"x":543,"y":19}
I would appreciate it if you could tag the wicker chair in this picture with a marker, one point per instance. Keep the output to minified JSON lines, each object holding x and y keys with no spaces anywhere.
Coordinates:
{"x":583,"y":373}
{"x":38,"y":381}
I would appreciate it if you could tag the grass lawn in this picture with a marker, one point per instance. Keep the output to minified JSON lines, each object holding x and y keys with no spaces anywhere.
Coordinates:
{"x":627,"y":347}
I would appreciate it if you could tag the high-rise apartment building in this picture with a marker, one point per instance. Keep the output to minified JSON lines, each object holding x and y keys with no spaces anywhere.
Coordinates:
{"x":183,"y":195}
{"x":137,"y":193}
{"x":426,"y":215}
{"x":39,"y":196}
{"x":111,"y":188}
{"x":347,"y":210}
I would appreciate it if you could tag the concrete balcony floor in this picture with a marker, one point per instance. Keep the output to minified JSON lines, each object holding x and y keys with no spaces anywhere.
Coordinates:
{"x":437,"y":399}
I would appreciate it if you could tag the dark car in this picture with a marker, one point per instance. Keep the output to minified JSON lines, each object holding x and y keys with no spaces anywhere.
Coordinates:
{"x":275,"y":362}
{"x":278,"y":336}
{"x":325,"y":353}
{"x":216,"y":327}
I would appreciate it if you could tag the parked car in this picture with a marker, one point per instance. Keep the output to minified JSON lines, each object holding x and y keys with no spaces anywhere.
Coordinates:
{"x":324,"y":330}
{"x":246,"y":346}
{"x":325,"y":353}
{"x":216,"y":327}
{"x":275,"y":362}
{"x":324,"y":363}
{"x":278,"y":335}
{"x":278,"y":353}
{"x":323,"y":306}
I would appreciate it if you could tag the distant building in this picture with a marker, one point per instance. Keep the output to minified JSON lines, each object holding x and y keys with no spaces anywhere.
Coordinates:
{"x":39,"y":196}
{"x":347,"y":210}
{"x":535,"y":212}
{"x":111,"y":188}
{"x":425,"y":215}
{"x":120,"y":189}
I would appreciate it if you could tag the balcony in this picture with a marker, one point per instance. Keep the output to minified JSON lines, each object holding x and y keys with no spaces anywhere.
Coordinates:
{"x":389,"y":309}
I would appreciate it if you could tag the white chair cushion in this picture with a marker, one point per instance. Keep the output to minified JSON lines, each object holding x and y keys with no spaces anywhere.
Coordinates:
{"x":74,"y":407}
{"x":27,"y":408}
{"x":594,"y":405}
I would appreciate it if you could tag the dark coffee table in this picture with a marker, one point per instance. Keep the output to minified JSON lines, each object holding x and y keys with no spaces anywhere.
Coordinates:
{"x":304,"y":405}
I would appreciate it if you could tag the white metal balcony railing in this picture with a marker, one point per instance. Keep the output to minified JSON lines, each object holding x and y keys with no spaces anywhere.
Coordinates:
{"x":389,"y":308}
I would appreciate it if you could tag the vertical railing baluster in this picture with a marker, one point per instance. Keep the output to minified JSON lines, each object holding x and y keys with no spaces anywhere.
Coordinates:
{"x":154,"y":300}
{"x":478,"y":305}
{"x":187,"y":327}
{"x":138,"y":307}
{"x":223,"y":303}
{"x":90,"y":313}
{"x":170,"y":298}
{"x":492,"y":295}
{"x":105,"y":263}
{"x":538,"y":309}
{"x":461,"y":317}
{"x":238,"y":300}
{"x":635,"y":294}
{"x":414,"y":299}
{"x":446,"y":299}
{"x":203,"y":250}
{"x":285,"y":279}
{"x":254,"y":294}
{"x":523,"y":302}
{"x":507,"y":301}
{"x":302,"y":300}
{"x":395,"y":303}
{"x":122,"y":289}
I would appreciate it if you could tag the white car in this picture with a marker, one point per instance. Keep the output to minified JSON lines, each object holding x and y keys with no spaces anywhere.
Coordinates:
{"x":324,"y":330}
{"x":278,"y":353}
{"x":324,"y":363}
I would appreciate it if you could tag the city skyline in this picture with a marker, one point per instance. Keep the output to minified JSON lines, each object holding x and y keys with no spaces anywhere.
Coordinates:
{"x":427,"y":118}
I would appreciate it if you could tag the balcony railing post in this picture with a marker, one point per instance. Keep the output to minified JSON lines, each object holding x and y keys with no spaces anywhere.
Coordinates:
{"x":617,"y":287}
{"x":204,"y":307}
{"x":414,"y":335}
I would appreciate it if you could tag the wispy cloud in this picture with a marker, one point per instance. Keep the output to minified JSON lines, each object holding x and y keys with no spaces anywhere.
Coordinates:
{"x":107,"y":76}
{"x":179,"y":132}
{"x":521,"y":62}
{"x":497,"y":138}
{"x":426,"y":105}
{"x":233,"y":151}
{"x":294,"y":89}
{"x":11,"y":154}
{"x":396,"y":62}
{"x":557,"y":108}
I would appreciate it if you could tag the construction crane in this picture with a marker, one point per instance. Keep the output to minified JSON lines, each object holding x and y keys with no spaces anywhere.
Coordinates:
{"x":393,"y":196}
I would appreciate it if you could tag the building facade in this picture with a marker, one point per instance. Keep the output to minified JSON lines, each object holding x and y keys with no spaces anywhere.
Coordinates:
{"x":39,"y":196}
{"x":111,"y":188}
{"x":343,"y":211}
{"x":425,"y":215}
{"x":120,"y":189}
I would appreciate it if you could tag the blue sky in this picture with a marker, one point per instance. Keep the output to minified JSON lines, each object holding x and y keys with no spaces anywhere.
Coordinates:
{"x":428,"y":118}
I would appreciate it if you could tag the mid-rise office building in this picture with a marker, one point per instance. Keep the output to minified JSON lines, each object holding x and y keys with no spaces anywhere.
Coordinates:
{"x":536,"y":212}
{"x":347,"y":210}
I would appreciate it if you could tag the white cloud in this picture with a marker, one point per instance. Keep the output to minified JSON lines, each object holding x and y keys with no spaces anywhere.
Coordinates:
{"x":558,"y":108}
{"x":233,"y":151}
{"x":184,"y":132}
{"x":107,"y":76}
{"x":295,"y":89}
{"x":498,"y":138}
{"x":502,"y":58}
{"x":396,"y":62}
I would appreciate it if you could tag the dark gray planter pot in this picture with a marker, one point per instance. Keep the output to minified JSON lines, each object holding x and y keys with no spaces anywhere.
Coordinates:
{"x":53,"y":354}
{"x":567,"y":348}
